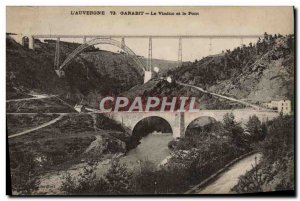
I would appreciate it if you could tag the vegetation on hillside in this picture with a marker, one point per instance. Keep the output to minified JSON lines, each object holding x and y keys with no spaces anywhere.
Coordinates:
{"x":75,"y":139}
{"x":118,"y":180}
{"x":200,"y":154}
{"x":194,"y":158}
{"x":243,"y":72}
{"x":162,"y":88}
{"x":88,"y":76}
{"x":276,"y":171}
{"x":246,"y":70}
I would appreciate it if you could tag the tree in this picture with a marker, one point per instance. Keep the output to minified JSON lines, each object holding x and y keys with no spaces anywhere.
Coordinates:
{"x":234,"y":131}
{"x":252,"y":181}
{"x":276,"y":170}
{"x":279,"y":141}
{"x":24,"y":178}
{"x":264,"y":129}
{"x":146,"y":179}
{"x":255,"y":129}
{"x":229,"y":123}
{"x":266,"y":36}
{"x":119,"y":178}
{"x":69,"y":184}
{"x":86,"y":183}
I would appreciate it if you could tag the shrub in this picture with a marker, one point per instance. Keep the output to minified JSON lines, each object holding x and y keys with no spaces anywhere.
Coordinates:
{"x":24,"y":177}
{"x":85,"y":183}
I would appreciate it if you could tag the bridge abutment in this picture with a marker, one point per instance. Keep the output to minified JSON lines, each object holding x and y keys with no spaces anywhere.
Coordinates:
{"x":31,"y":42}
{"x":179,"y":126}
{"x":24,"y":40}
{"x":147,"y":76}
{"x":182,"y":124}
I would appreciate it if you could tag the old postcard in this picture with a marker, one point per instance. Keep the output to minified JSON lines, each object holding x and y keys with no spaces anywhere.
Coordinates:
{"x":150,"y":100}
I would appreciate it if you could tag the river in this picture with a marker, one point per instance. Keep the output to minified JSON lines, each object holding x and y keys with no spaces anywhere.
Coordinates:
{"x":153,"y":147}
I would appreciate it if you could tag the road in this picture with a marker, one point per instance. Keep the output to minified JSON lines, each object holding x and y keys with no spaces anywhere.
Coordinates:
{"x":32,"y":98}
{"x":35,"y":113}
{"x":222,"y":96}
{"x":37,"y":96}
{"x":227,"y":180}
{"x":38,"y":127}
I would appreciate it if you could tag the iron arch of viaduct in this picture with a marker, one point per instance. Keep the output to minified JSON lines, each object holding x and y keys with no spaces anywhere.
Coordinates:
{"x":98,"y":41}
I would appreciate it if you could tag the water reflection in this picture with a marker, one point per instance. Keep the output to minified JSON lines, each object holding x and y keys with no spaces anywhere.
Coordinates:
{"x":153,"y":147}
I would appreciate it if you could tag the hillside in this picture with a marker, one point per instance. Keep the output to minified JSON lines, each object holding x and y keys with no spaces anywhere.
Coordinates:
{"x":162,"y":88}
{"x":91,"y":74}
{"x":258,"y":72}
{"x":163,"y":65}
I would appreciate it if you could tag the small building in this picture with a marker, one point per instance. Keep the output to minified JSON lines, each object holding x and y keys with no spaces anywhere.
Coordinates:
{"x":284,"y":106}
{"x":79,"y":108}
{"x":281,"y":105}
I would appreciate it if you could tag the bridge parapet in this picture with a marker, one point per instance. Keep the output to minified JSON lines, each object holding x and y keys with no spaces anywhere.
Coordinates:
{"x":241,"y":115}
{"x":180,"y":121}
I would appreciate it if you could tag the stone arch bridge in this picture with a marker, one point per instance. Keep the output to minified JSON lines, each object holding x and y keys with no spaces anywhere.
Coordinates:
{"x":179,"y":121}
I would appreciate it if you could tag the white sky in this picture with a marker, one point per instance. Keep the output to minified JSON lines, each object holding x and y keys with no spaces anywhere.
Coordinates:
{"x":210,"y":21}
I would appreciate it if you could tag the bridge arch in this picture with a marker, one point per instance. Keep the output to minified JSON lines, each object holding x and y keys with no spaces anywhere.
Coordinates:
{"x":153,"y":123}
{"x":98,"y":41}
{"x":201,"y":123}
{"x":25,"y":41}
{"x":146,"y":126}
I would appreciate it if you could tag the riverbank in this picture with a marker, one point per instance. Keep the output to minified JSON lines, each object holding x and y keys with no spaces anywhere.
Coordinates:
{"x":51,"y":182}
{"x":153,"y":148}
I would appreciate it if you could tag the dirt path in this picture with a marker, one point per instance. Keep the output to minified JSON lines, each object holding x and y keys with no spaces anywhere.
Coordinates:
{"x":227,"y":180}
{"x":37,"y":128}
{"x":222,"y":96}
{"x":32,"y":98}
{"x":33,"y":113}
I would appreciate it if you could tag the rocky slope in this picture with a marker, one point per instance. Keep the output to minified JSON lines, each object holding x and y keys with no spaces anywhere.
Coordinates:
{"x":270,"y":76}
{"x":162,"y":88}
{"x":257,"y":73}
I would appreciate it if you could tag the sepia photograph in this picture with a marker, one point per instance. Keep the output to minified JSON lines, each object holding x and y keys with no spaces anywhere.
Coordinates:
{"x":157,"y":100}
